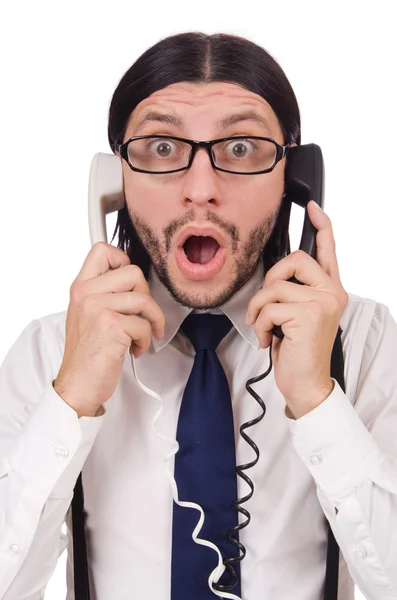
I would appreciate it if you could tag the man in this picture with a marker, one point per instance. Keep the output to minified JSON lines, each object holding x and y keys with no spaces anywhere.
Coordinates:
{"x":206,"y":226}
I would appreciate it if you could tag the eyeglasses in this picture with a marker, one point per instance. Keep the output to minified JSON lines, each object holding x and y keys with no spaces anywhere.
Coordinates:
{"x":164,"y":154}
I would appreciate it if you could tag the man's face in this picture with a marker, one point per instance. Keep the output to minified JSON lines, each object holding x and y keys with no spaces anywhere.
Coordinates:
{"x":238,"y":211}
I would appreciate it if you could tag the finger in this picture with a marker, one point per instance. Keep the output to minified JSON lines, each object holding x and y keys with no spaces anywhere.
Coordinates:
{"x":300,"y":265}
{"x":293,"y":318}
{"x":281,"y":291}
{"x":100,"y":259}
{"x":130,"y":303}
{"x":325,"y":241}
{"x":139,"y":331}
{"x":125,"y":279}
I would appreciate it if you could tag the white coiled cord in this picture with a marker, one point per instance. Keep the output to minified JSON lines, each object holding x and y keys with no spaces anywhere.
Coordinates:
{"x":216,"y":574}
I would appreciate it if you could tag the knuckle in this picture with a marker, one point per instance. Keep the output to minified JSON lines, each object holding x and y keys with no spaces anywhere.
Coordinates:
{"x":334,"y":306}
{"x":277,"y":284}
{"x":108,"y":319}
{"x":89,"y":304}
{"x":101,"y":250}
{"x":314,"y":309}
{"x":300,"y":256}
{"x":261,"y":319}
{"x":143,"y":302}
{"x":146,"y":328}
{"x":136,"y":272}
{"x":269,"y":311}
{"x":141,"y":332}
{"x":137,"y":301}
{"x":123,"y":338}
{"x":344,"y":298}
{"x":99,"y":247}
{"x":77,"y":292}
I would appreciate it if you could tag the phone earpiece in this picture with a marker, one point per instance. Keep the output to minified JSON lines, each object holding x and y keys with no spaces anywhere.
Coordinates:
{"x":105,"y":193}
{"x":304,"y":181}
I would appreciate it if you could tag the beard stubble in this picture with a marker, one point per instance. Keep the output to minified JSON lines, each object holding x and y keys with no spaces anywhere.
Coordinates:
{"x":245,"y":261}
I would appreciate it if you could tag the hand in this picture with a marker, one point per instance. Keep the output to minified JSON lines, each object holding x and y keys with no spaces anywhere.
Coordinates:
{"x":110,"y":310}
{"x":309,"y":316}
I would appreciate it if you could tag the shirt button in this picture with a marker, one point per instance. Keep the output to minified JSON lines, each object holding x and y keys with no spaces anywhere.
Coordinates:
{"x":58,"y":451}
{"x":361,"y":553}
{"x":15,"y":549}
{"x":316,"y":459}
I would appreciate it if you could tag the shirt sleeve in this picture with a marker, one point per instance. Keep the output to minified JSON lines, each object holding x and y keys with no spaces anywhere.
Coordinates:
{"x":43,"y":446}
{"x":349,"y":445}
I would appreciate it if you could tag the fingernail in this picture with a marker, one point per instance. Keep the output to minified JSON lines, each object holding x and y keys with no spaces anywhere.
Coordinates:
{"x":317,"y":205}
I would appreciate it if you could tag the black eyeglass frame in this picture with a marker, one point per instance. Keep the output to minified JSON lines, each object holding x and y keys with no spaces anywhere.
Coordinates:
{"x":281,"y":152}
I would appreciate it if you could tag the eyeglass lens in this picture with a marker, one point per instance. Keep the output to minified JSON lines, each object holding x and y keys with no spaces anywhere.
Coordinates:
{"x":241,"y":155}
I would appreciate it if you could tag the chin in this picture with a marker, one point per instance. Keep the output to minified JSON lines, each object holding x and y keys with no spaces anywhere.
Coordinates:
{"x":204,"y":285}
{"x":208,"y":292}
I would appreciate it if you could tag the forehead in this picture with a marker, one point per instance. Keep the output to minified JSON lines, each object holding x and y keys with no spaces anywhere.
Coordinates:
{"x":205,"y":102}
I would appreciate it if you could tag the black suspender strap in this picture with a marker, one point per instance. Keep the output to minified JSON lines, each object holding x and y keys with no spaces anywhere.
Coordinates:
{"x":332,"y":569}
{"x":81,"y":581}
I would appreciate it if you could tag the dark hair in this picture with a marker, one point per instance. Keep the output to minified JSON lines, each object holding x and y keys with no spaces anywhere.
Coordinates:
{"x":201,"y":58}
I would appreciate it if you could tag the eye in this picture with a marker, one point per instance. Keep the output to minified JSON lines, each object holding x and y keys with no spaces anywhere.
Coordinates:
{"x":162,"y":148}
{"x":240,"y":148}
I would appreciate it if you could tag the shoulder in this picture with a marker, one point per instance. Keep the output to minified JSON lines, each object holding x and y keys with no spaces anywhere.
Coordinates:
{"x":41,"y":343}
{"x":50,"y":328}
{"x":369,"y":339}
{"x":52,"y":324}
{"x":363,"y":316}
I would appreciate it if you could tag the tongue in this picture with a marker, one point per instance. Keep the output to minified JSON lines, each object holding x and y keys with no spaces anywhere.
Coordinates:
{"x":200,"y":249}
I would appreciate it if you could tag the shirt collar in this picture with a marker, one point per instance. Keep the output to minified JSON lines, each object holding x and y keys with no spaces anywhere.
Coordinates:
{"x":235,"y":308}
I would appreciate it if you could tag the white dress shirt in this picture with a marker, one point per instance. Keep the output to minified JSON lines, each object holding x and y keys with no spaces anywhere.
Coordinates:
{"x":339,"y":460}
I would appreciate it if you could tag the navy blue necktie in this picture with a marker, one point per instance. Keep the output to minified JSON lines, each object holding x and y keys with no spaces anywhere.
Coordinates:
{"x":205,"y":466}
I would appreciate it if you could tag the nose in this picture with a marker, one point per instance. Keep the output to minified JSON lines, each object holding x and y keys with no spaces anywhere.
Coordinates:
{"x":201,"y":182}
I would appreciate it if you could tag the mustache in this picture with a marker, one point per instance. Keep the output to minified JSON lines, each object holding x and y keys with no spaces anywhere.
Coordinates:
{"x":174,"y":226}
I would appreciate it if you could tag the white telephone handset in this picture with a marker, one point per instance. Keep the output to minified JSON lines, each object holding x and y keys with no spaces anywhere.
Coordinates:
{"x":105,"y":193}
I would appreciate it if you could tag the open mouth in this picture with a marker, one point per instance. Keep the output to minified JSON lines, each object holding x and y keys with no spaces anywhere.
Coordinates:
{"x":200,"y":256}
{"x":200,"y":249}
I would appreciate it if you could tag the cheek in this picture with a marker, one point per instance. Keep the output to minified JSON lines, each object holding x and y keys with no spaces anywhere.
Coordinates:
{"x":148,"y":199}
{"x":254,"y":200}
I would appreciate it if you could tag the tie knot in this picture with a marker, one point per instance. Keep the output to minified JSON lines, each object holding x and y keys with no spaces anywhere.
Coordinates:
{"x":206,"y":331}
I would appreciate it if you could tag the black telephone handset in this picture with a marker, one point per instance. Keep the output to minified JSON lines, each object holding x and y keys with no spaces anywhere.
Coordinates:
{"x":304,"y":181}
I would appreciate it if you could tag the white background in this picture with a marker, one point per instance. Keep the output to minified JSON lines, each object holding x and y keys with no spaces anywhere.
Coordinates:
{"x":60,"y":63}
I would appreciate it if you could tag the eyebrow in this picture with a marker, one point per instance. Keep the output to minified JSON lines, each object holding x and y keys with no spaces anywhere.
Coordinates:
{"x":224,"y":123}
{"x":250,"y":115}
{"x":159,"y":118}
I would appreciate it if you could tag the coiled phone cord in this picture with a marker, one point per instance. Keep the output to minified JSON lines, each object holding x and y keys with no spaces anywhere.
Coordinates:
{"x":332,"y":562}
{"x":220,"y":568}
{"x":229,"y":562}
{"x":80,"y":567}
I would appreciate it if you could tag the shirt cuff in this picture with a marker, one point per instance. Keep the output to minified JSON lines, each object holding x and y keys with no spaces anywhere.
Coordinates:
{"x":335,"y":445}
{"x":50,"y":451}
